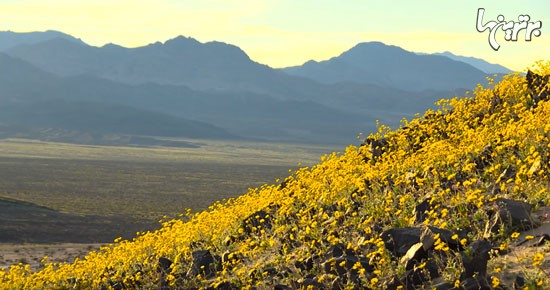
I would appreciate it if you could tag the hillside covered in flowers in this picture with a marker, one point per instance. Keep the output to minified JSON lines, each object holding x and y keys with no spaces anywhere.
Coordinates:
{"x":455,"y":199}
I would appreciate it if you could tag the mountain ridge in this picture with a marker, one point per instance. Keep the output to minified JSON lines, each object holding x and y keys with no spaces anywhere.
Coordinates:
{"x":377,"y":63}
{"x":218,"y":83}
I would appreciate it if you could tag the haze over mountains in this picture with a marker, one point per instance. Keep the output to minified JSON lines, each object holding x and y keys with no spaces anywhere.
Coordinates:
{"x":52,"y":82}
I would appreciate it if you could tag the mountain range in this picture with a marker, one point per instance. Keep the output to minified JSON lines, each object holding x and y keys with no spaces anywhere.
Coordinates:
{"x":184,"y":88}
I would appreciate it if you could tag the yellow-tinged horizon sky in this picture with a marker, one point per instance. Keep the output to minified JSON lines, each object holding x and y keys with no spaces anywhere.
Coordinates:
{"x":282,"y":33}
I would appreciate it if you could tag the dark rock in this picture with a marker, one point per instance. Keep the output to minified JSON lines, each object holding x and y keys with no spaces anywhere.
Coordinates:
{"x":429,"y":233}
{"x":538,"y":86}
{"x":484,"y":158}
{"x":342,"y":267}
{"x":417,"y":276}
{"x":475,"y":263}
{"x":163,"y":268}
{"x":257,"y":221}
{"x":477,"y":283}
{"x":164,"y":265}
{"x":440,"y":284}
{"x":514,"y":214}
{"x":271,"y":271}
{"x":337,"y":284}
{"x":311,"y":282}
{"x":519,"y":283}
{"x":376,"y":146}
{"x":335,"y":251}
{"x":203,"y":263}
{"x":495,"y":102}
{"x":414,"y":255}
{"x":509,"y":172}
{"x":399,"y":240}
{"x":394,"y":283}
{"x":304,"y":265}
{"x":421,"y":209}
{"x":118,"y":285}
{"x":537,"y":241}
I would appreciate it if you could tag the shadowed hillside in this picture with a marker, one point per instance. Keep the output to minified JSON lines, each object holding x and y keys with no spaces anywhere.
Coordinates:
{"x":455,"y":199}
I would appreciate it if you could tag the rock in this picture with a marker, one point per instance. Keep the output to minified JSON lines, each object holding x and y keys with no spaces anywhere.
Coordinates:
{"x":257,"y":221}
{"x":538,"y":86}
{"x":304,"y":265}
{"x":335,"y":251}
{"x":514,"y":214}
{"x":164,"y":265}
{"x":475,"y":284}
{"x":414,"y":255}
{"x":420,"y":211}
{"x":418,"y":276}
{"x":163,"y":268}
{"x":428,"y":235}
{"x":519,"y":283}
{"x":311,"y":282}
{"x":484,"y":158}
{"x":376,"y":146}
{"x":509,"y":172}
{"x":203,"y":263}
{"x":476,"y":262}
{"x":537,"y":241}
{"x":495,"y":102}
{"x":399,"y":240}
{"x":440,"y":284}
{"x":342,"y":266}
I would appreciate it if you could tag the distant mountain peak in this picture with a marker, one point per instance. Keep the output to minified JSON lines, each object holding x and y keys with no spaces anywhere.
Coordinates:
{"x":391,"y":66}
{"x":182,"y":40}
{"x":374,"y":44}
{"x":371,"y":49}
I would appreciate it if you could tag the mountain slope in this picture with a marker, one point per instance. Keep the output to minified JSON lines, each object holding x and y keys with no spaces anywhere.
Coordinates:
{"x":216,"y":66}
{"x":217,"y":83}
{"x":179,"y":61}
{"x":443,"y":202}
{"x":9,"y":39}
{"x":480,"y":64}
{"x":247,"y":114}
{"x":391,"y":66}
{"x":32,"y":99}
{"x":100,"y":118}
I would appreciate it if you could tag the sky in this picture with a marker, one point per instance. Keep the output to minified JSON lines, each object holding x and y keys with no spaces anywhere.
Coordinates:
{"x":282,"y":33}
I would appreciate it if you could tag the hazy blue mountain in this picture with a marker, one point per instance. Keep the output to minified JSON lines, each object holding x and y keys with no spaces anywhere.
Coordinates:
{"x":9,"y":39}
{"x":101,"y":118}
{"x":391,"y":66}
{"x":31,"y":99}
{"x":28,"y":94}
{"x":216,"y":66}
{"x":478,"y":63}
{"x":180,"y":61}
{"x":218,"y":84}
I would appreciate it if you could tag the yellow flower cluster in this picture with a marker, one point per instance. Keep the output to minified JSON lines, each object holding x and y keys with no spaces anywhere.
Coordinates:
{"x":458,"y":159}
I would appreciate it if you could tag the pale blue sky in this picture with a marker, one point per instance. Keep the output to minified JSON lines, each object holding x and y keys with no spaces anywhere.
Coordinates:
{"x":283,"y":33}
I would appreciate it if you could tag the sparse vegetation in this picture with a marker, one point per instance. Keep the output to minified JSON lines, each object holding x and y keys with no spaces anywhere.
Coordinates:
{"x":55,"y":192}
{"x":429,"y":205}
